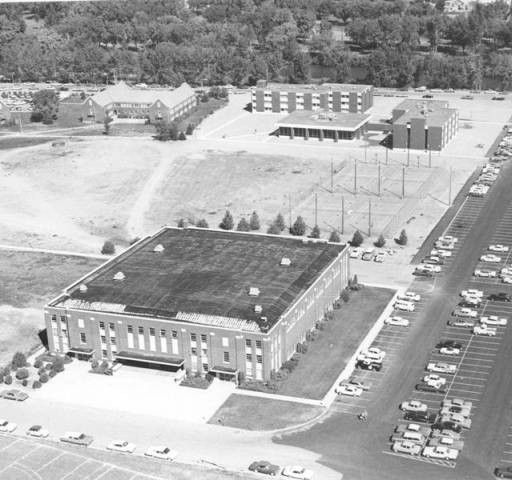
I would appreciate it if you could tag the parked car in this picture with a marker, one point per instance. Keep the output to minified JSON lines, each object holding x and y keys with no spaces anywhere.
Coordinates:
{"x":14,"y":394}
{"x":447,"y":425}
{"x":413,"y":406}
{"x":485,"y":272}
{"x":367,"y":256}
{"x":77,"y":438}
{"x":161,"y":452}
{"x":262,"y":466}
{"x":372,"y":353}
{"x":121,"y":446}
{"x":442,"y":367}
{"x":448,"y":410}
{"x":296,"y":471}
{"x":356,"y":252}
{"x":6,"y":426}
{"x":397,"y":321}
{"x":500,"y":297}
{"x":358,"y":383}
{"x":410,"y":296}
{"x":406,"y":446}
{"x":498,"y":248}
{"x":440,"y":452}
{"x":465,"y":312}
{"x":471,"y":301}
{"x":369,"y":365}
{"x":404,"y":305}
{"x":458,"y":418}
{"x":490,"y":258}
{"x":461,"y":322}
{"x":379,"y":257}
{"x":411,"y":436}
{"x":422,"y":417}
{"x":440,"y":253}
{"x":448,"y":238}
{"x":445,"y":433}
{"x":425,"y":387}
{"x":472,"y":292}
{"x":449,"y":343}
{"x":37,"y":431}
{"x":419,"y":271}
{"x":484,"y":330}
{"x":349,"y":390}
{"x":433,"y":260}
{"x":457,"y":402}
{"x":434,"y":379}
{"x":413,"y":427}
{"x":503,"y":472}
{"x":452,"y":351}
{"x":494,"y":320}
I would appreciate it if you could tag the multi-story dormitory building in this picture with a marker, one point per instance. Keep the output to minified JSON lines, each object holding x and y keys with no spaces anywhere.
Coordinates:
{"x":205,"y":300}
{"x":334,"y":97}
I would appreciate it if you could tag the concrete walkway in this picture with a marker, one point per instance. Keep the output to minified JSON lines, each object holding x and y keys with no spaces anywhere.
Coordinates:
{"x":65,"y":253}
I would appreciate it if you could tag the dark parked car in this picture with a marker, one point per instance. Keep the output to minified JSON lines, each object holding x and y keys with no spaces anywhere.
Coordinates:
{"x":449,"y":343}
{"x":423,"y":417}
{"x":503,"y":472}
{"x":369,"y":365}
{"x":428,"y":95}
{"x":500,"y":297}
{"x":262,"y":466}
{"x":448,"y":425}
{"x":423,"y":273}
{"x":467,"y":97}
{"x":498,"y":98}
{"x":425,"y":387}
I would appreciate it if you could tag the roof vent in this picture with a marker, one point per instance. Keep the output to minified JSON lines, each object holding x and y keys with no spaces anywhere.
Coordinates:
{"x":158,"y":248}
{"x":254,"y":291}
{"x":258,"y":309}
{"x":285,"y":262}
{"x":119,"y":276}
{"x":83,"y":288}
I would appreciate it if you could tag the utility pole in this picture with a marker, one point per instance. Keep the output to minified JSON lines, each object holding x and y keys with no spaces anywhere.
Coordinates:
{"x":450,"y":188}
{"x":316,"y":209}
{"x":290,"y":209}
{"x":403,"y":182}
{"x":355,"y":176}
{"x":418,"y":158}
{"x":378,"y":184}
{"x":429,"y":157}
{"x":369,"y":217}
{"x":342,"y":214}
{"x":387,"y":157}
{"x":408,"y":156}
{"x":332,"y":177}
{"x":365,"y":152}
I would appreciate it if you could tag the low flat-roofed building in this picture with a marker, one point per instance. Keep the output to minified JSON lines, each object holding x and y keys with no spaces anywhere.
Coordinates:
{"x":206,"y":300}
{"x":322,"y":125}
{"x":336,"y":97}
{"x":424,"y":124}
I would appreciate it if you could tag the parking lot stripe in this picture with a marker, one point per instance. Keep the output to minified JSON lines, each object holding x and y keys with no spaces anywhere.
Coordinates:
{"x":49,"y":462}
{"x":104,"y":473}
{"x":9,"y":445}
{"x":75,"y":469}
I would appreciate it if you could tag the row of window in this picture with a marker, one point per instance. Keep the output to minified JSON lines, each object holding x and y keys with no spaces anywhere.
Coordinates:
{"x":313,"y":95}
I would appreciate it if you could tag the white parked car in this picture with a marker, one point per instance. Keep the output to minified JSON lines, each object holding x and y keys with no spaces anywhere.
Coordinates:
{"x":296,"y":471}
{"x":450,"y":351}
{"x":416,"y":437}
{"x":410,"y":296}
{"x":498,"y":248}
{"x":434,"y":380}
{"x":37,"y":431}
{"x":494,"y":320}
{"x":397,"y":321}
{"x":6,"y":426}
{"x":472,"y":292}
{"x":442,"y":367}
{"x":413,"y":427}
{"x":459,"y":418}
{"x":465,"y":312}
{"x":440,"y":452}
{"x":444,"y":245}
{"x":485,"y":272}
{"x":121,"y":446}
{"x":484,"y":330}
{"x":441,"y":253}
{"x":161,"y":452}
{"x":506,"y":279}
{"x":490,"y":258}
{"x":413,"y":406}
{"x":427,"y":267}
{"x":356,"y":252}
{"x":406,"y":446}
{"x":448,"y":238}
{"x":373,"y":353}
{"x":506,"y":271}
{"x":464,"y":411}
{"x":404,"y":305}
{"x":458,"y":402}
{"x":348,"y":389}
{"x":472,"y":300}
{"x":446,"y":433}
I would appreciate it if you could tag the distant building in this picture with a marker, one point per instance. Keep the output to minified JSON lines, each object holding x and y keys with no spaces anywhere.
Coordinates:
{"x":336,"y":97}
{"x":123,"y":101}
{"x":323,"y":124}
{"x":463,"y":6}
{"x":424,"y":124}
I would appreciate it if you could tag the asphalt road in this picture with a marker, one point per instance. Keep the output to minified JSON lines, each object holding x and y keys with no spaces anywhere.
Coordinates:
{"x":361,"y":450}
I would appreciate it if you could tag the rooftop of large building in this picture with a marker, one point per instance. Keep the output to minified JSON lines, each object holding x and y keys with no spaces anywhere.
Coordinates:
{"x":312,"y":88}
{"x":324,"y":119}
{"x":210,"y":277}
{"x":436,"y":112}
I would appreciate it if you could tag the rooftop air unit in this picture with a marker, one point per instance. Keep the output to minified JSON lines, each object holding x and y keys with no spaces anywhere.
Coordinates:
{"x":257,"y":308}
{"x":285,"y":262}
{"x":83,"y":288}
{"x":119,"y":276}
{"x":254,"y":291}
{"x":159,"y":248}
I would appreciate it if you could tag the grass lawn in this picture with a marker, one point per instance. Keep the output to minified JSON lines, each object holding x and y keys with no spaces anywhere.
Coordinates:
{"x":328,"y":355}
{"x":27,"y":282}
{"x":254,"y":413}
{"x":200,"y":112}
{"x":19,"y":142}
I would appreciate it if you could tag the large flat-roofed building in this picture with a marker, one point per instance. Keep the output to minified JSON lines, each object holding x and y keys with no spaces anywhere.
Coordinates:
{"x":322,"y":125}
{"x":123,"y":101}
{"x":424,"y":124}
{"x":204,"y":300}
{"x":336,"y":97}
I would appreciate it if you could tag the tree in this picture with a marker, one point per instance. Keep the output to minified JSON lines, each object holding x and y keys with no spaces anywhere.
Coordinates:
{"x":58,"y":364}
{"x":106,"y":124}
{"x":108,"y":248}
{"x":274,"y":229}
{"x":227,"y":222}
{"x":166,"y":131}
{"x":243,"y":226}
{"x":190,"y":129}
{"x":19,"y":360}
{"x":254,"y":222}
{"x":380,"y":242}
{"x":22,"y":373}
{"x":334,"y":237}
{"x":202,"y":223}
{"x":182,"y":136}
{"x":357,"y":239}
{"x":315,"y":233}
{"x":402,"y":239}
{"x":46,"y":103}
{"x":181,"y":223}
{"x":299,"y":227}
{"x":279,"y":222}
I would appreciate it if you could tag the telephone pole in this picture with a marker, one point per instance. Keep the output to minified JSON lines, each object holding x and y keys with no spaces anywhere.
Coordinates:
{"x":378,"y":184}
{"x":290,"y":210}
{"x":429,"y":157}
{"x":355,"y":176}
{"x":408,"y":156}
{"x":316,"y":209}
{"x":403,"y":182}
{"x":332,"y":177}
{"x":369,"y":217}
{"x":387,"y":163}
{"x":342,"y":215}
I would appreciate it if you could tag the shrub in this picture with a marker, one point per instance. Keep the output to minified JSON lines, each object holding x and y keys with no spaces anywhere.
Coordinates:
{"x":357,"y":239}
{"x":67,"y":359}
{"x":241,"y":377}
{"x":227,"y":222}
{"x":209,"y":377}
{"x":36,"y":384}
{"x":190,"y":129}
{"x":274,"y":229}
{"x":181,"y":223}
{"x":18,"y":360}
{"x":315,"y":233}
{"x":108,"y":248}
{"x":48,"y":366}
{"x":254,"y":222}
{"x":202,"y":223}
{"x":36,"y":117}
{"x":354,"y":284}
{"x":6,"y":370}
{"x":41,"y":370}
{"x":334,"y":237}
{"x":22,"y":373}
{"x":402,"y":239}
{"x":38,"y":364}
{"x":345,"y":296}
{"x":182,"y":136}
{"x":279,"y":222}
{"x":94,"y":363}
{"x":133,"y":241}
{"x":329,"y":316}
{"x":8,"y":380}
{"x":104,"y":364}
{"x":299,"y":227}
{"x":43,"y":378}
{"x":52,"y":373}
{"x":58,"y":365}
{"x":243,"y":226}
{"x":380,"y":242}
{"x":24,"y":382}
{"x":1,"y":379}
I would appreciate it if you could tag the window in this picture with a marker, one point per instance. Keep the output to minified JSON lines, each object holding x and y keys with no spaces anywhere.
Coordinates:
{"x":162,"y":333}
{"x":203,"y":338}
{"x":81,"y":323}
{"x":193,"y":337}
{"x":54,"y":318}
{"x":174,"y":334}
{"x":258,"y":343}
{"x":63,"y":319}
{"x":112,"y":326}
{"x":194,"y":351}
{"x":103,"y":339}
{"x":225,"y":341}
{"x":102,"y":325}
{"x":152,"y":332}
{"x":104,"y":353}
{"x":141,"y":330}
{"x":259,"y":359}
{"x":112,"y":340}
{"x":83,"y":338}
{"x":226,"y":357}
{"x":248,"y":342}
{"x":205,"y":367}
{"x":130,"y":328}
{"x":248,"y":357}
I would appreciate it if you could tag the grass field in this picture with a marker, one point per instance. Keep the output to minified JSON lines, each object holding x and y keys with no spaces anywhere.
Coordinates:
{"x":20,"y":142}
{"x":328,"y":355}
{"x":254,"y":413}
{"x":28,"y":281}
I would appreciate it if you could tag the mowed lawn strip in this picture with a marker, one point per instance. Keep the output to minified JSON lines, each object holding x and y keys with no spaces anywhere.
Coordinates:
{"x":255,"y":413}
{"x":328,"y":355}
{"x":19,"y":142}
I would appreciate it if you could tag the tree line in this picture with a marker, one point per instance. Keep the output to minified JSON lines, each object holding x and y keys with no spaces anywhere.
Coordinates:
{"x":216,"y":42}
